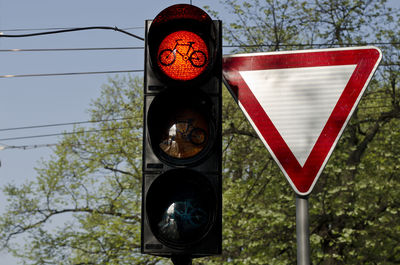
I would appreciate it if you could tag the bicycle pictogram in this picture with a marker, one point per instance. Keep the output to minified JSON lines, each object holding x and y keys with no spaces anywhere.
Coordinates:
{"x":184,"y":129}
{"x":186,"y":213}
{"x":197,"y":58}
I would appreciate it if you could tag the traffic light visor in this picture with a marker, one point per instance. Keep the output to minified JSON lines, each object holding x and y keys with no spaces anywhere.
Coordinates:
{"x":181,"y":11}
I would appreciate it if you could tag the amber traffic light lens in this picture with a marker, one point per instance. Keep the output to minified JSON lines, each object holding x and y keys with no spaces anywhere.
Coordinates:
{"x":181,"y":126}
{"x":184,"y":134}
{"x":182,"y":55}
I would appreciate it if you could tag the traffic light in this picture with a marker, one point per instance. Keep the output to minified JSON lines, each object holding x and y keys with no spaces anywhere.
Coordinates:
{"x":181,"y":192}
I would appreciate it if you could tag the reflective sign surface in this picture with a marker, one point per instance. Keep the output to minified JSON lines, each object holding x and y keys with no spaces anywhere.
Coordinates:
{"x":182,"y":55}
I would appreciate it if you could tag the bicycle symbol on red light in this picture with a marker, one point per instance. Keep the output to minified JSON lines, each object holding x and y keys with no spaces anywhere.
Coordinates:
{"x":196,"y":57}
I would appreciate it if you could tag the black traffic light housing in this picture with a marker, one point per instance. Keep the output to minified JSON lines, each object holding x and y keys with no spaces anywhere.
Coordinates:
{"x":182,"y":156}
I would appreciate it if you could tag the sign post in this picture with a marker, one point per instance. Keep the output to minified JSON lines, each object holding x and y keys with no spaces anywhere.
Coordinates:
{"x":302,"y":231}
{"x":299,"y":103}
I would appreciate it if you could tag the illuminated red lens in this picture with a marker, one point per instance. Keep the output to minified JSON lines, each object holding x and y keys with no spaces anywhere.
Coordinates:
{"x":183,"y":55}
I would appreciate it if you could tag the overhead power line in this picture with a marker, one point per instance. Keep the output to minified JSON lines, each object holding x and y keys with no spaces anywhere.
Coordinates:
{"x":72,"y":73}
{"x":60,"y":124}
{"x":71,"y":49}
{"x":225,"y":46}
{"x":25,"y":147}
{"x":61,"y":134}
{"x":58,"y":28}
{"x":63,"y":30}
{"x":68,"y":30}
{"x":309,"y":45}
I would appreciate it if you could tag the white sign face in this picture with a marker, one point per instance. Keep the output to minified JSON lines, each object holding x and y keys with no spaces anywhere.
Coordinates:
{"x":299,"y":102}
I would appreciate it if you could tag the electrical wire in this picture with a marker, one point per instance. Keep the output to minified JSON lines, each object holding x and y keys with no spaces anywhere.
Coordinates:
{"x":123,"y":30}
{"x":71,"y":49}
{"x":63,"y":30}
{"x":25,"y":147}
{"x":310,"y":45}
{"x":68,"y":30}
{"x":61,"y":134}
{"x":72,"y":73}
{"x":141,"y":47}
{"x":60,"y":124}
{"x":59,"y":28}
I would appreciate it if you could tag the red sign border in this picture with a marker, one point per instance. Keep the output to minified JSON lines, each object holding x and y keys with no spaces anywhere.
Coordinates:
{"x":302,"y":179}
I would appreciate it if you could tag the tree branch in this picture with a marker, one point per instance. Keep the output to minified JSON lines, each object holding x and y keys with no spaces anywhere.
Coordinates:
{"x":19,"y":229}
{"x":118,"y":170}
{"x":384,"y":118}
{"x":234,"y":130}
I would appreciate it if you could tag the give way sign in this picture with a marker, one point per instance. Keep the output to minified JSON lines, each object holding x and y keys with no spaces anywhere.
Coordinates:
{"x":299,"y":102}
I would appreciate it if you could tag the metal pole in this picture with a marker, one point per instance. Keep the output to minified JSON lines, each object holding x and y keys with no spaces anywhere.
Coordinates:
{"x":181,"y":260}
{"x":302,"y":231}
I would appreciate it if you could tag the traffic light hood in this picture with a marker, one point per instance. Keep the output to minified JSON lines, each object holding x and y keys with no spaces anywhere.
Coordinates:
{"x":182,"y":11}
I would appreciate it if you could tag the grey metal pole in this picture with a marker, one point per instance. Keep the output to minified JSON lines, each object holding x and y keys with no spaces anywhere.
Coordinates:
{"x":302,"y":231}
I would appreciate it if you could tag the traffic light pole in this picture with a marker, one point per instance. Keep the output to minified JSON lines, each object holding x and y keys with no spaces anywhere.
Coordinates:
{"x":181,"y":260}
{"x":302,"y":231}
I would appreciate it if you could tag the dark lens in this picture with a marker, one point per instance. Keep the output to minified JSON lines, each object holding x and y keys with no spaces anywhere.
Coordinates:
{"x":181,"y":214}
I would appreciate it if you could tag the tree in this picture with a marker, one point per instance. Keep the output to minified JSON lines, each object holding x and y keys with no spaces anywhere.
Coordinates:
{"x":354,"y":207}
{"x":93,"y":178}
{"x":93,"y":182}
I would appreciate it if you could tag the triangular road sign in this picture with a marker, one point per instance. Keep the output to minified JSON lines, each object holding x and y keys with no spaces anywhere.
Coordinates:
{"x":299,"y":102}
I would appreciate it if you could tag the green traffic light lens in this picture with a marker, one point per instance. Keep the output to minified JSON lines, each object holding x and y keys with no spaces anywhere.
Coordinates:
{"x":181,"y":207}
{"x":182,"y":220}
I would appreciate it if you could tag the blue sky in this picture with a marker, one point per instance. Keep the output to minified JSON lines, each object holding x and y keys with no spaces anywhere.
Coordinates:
{"x":59,"y":99}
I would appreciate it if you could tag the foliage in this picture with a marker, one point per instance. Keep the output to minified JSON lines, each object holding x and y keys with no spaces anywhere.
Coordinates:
{"x":91,"y":187}
{"x":354,"y":209}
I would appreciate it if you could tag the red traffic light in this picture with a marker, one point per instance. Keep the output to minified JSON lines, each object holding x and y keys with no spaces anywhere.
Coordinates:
{"x":182,"y":55}
{"x":181,"y":43}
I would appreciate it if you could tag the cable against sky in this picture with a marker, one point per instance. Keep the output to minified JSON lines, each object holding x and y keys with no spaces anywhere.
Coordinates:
{"x":68,"y":30}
